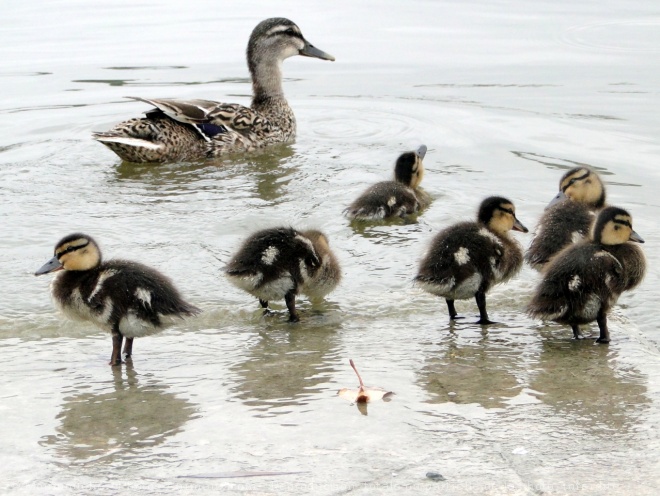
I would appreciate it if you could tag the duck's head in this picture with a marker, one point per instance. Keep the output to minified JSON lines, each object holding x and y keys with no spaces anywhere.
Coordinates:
{"x":409,"y":168}
{"x":319,"y":241}
{"x":499,"y":214}
{"x":582,"y":185}
{"x":276,"y":39}
{"x":614,"y":227}
{"x":73,"y":252}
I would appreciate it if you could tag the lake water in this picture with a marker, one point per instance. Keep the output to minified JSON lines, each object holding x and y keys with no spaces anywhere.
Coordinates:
{"x":506,"y":95}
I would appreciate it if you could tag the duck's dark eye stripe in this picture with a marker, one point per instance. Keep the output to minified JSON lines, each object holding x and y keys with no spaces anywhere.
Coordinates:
{"x":507,"y":210}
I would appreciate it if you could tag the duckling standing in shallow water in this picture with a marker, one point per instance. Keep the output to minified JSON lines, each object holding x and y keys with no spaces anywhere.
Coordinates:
{"x":568,"y":217}
{"x":125,"y":298}
{"x":583,"y":281}
{"x":188,"y":129}
{"x":465,"y":260}
{"x":279,"y":263}
{"x":393,"y":198}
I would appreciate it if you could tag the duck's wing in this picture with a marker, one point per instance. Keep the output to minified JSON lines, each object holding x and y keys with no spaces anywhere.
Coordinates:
{"x":208,"y":117}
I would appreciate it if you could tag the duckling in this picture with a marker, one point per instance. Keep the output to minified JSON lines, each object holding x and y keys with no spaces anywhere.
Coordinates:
{"x":583,"y":281}
{"x":568,"y":217}
{"x":279,"y":263}
{"x":189,"y":129}
{"x":466,"y":259}
{"x":125,"y":298}
{"x":393,"y":198}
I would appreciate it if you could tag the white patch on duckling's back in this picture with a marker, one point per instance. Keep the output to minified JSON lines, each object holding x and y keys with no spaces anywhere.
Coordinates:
{"x":392,"y":201}
{"x":144,"y":295}
{"x":487,"y":234}
{"x":269,"y":255}
{"x":494,"y":269}
{"x":103,"y":276}
{"x":576,"y":237}
{"x":462,"y":256}
{"x":574,"y":283}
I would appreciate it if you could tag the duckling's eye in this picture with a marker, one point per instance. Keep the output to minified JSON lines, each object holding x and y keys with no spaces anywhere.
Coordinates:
{"x":290,"y":31}
{"x":616,"y":228}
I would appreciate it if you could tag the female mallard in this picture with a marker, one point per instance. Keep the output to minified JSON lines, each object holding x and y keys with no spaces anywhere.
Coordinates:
{"x":279,"y":263}
{"x":186,"y":129}
{"x":393,"y":198}
{"x":583,"y":281}
{"x":465,"y":260}
{"x":127,"y":299}
{"x":568,"y":217}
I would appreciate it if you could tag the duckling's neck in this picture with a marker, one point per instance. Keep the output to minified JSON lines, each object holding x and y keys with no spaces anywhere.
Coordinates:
{"x":266,"y":80}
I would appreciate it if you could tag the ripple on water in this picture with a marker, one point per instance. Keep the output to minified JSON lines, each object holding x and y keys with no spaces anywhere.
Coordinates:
{"x":630,"y":35}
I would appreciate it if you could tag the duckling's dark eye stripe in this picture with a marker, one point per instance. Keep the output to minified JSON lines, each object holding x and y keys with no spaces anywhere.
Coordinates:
{"x":586,"y":175}
{"x":71,"y":248}
{"x":288,"y":31}
{"x":507,"y":210}
{"x":623,"y":223}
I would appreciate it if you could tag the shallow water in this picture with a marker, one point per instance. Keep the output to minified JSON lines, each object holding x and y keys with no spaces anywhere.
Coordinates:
{"x":506,"y":96}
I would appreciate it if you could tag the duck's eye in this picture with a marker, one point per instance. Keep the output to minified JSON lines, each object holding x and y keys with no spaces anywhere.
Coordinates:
{"x":290,"y":31}
{"x":616,"y":228}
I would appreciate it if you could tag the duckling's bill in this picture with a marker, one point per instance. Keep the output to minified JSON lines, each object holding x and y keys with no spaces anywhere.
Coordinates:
{"x":518,"y":226}
{"x":636,"y":237}
{"x":557,"y":199}
{"x":51,"y":266}
{"x":421,"y":151}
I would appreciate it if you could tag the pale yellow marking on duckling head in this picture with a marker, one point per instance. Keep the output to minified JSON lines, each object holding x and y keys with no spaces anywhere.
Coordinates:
{"x":503,"y":218}
{"x":583,"y":186}
{"x":78,"y":254}
{"x":617,"y":230}
{"x":417,"y":172}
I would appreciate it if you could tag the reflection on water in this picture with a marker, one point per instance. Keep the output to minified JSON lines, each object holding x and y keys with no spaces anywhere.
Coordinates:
{"x":582,"y":381}
{"x":264,"y":173}
{"x":480,"y":371}
{"x":134,"y":415}
{"x":287,"y":364}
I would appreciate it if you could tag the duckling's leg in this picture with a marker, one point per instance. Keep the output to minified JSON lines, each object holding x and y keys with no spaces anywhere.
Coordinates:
{"x":576,"y":331}
{"x":263,"y":303}
{"x":290,"y":299}
{"x":117,"y":338}
{"x":453,"y":315}
{"x":128,"y":348}
{"x":602,"y":325}
{"x":480,"y":296}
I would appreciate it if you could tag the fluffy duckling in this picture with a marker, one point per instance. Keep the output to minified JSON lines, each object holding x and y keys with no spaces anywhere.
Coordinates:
{"x":568,"y":217}
{"x":279,"y":263}
{"x":393,"y":198}
{"x":125,"y":298}
{"x":583,"y":281}
{"x":465,"y":260}
{"x":188,"y":129}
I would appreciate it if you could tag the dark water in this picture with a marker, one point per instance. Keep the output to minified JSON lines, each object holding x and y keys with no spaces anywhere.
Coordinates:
{"x":506,"y":96}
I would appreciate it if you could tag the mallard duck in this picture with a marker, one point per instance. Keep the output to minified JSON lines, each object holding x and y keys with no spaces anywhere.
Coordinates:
{"x":568,"y":217}
{"x":279,"y":263}
{"x":188,"y":129}
{"x":125,"y":298}
{"x":465,"y":260}
{"x":393,"y":198}
{"x":583,"y":281}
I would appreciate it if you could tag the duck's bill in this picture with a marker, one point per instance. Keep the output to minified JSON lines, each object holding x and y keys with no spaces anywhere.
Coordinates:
{"x":421,"y":151}
{"x":559,"y":198}
{"x":51,"y":266}
{"x":636,"y":237}
{"x":310,"y":50}
{"x":518,"y":226}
